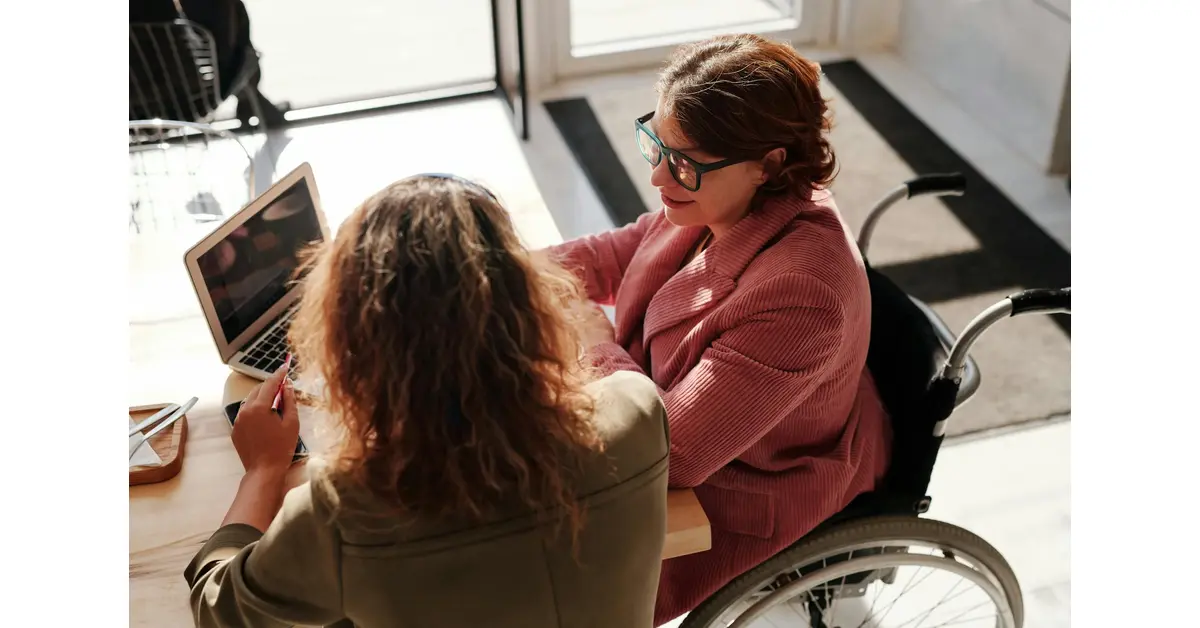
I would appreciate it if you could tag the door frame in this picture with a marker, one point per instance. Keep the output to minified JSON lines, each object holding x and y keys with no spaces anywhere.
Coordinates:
{"x":510,"y":49}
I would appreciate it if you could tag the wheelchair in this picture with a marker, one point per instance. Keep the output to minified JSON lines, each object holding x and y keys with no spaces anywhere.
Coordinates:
{"x":879,"y":546}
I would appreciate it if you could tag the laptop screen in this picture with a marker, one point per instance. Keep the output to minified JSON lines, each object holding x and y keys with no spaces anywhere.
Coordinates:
{"x":253,"y":267}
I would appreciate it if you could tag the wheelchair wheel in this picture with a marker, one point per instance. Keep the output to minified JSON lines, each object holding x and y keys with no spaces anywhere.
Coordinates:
{"x":878,"y":572}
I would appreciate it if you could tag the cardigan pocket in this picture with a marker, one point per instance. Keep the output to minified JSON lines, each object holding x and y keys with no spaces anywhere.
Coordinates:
{"x":738,"y":511}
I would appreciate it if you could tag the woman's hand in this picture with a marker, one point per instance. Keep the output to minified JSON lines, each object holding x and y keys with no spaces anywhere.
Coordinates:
{"x":265,"y":440}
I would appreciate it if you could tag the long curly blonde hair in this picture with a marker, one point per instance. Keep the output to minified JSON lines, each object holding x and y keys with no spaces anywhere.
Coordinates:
{"x":449,"y":355}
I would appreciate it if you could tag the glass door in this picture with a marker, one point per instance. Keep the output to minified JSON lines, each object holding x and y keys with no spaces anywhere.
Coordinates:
{"x":593,"y":36}
{"x":326,"y":57}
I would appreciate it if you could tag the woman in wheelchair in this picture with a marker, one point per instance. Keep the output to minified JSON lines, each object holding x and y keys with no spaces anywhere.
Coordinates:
{"x":746,"y":301}
{"x":478,"y":479}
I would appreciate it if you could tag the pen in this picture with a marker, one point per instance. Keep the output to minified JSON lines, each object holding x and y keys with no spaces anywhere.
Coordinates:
{"x":277,"y":403}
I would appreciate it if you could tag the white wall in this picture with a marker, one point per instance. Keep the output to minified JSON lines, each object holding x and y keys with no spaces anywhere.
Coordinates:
{"x":866,"y":25}
{"x":1005,"y":62}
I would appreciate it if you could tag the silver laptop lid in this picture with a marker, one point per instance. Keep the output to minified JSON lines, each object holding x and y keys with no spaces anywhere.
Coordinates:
{"x":244,"y":271}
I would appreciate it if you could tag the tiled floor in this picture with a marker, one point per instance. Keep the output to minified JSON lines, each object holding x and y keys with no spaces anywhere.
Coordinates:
{"x":1014,"y":490}
{"x":1043,"y":197}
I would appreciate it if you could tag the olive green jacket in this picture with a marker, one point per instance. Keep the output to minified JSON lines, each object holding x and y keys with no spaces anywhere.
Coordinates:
{"x":326,"y":560}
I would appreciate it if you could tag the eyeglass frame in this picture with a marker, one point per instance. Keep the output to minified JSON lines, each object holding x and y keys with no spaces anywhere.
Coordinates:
{"x":664,"y":151}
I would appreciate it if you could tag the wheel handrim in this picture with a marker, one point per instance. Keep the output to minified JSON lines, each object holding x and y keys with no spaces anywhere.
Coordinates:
{"x":789,"y":604}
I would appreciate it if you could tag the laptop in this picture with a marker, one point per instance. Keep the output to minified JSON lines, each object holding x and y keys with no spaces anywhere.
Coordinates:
{"x":244,"y":273}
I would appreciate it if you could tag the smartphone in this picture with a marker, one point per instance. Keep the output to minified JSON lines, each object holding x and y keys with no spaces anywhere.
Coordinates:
{"x":231,"y":412}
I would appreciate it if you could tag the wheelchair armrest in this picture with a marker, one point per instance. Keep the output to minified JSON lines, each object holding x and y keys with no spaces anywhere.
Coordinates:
{"x":971,"y":377}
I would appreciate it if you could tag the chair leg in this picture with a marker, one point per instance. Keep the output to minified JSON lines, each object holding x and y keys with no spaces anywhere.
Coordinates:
{"x":251,"y":102}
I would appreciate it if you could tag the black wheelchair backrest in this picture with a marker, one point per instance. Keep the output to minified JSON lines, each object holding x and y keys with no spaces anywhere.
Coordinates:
{"x":904,"y":353}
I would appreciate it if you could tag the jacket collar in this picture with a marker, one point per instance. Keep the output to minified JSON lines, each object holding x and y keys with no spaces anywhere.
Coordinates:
{"x":712,"y":274}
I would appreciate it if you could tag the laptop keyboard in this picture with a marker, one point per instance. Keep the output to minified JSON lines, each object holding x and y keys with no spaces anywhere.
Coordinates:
{"x":269,"y":351}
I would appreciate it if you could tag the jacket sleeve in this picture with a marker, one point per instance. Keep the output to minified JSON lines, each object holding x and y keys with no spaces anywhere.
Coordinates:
{"x":600,"y":260}
{"x":751,"y":377}
{"x":288,"y":576}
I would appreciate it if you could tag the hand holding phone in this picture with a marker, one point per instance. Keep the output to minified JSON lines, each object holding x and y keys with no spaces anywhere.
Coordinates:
{"x":231,"y":412}
{"x":277,"y":408}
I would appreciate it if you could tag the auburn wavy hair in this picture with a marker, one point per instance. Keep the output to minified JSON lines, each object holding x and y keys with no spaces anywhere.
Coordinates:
{"x":448,"y":354}
{"x":741,"y":96}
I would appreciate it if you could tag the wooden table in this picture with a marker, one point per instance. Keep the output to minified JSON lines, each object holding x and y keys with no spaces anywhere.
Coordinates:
{"x":172,"y":358}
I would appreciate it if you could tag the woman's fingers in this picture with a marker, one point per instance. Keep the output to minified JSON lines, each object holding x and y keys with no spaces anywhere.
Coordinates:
{"x":289,"y":411}
{"x":264,"y":393}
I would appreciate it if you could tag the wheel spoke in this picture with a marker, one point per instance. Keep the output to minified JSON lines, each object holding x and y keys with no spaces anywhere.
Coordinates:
{"x":935,"y":606}
{"x":837,"y":593}
{"x":815,"y":603}
{"x":871,"y":609}
{"x":955,"y":620}
{"x":972,"y":619}
{"x":801,"y":613}
{"x":945,"y":598}
{"x":908,"y":587}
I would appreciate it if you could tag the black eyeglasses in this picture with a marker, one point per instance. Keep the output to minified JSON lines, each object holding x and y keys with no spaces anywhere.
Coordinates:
{"x":685,"y":170}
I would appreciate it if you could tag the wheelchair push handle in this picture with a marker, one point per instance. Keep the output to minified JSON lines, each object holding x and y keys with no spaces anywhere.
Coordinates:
{"x":1038,"y":301}
{"x":1041,"y":301}
{"x":950,"y":184}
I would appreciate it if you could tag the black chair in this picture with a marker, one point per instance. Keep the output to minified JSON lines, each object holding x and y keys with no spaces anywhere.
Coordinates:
{"x":183,"y":67}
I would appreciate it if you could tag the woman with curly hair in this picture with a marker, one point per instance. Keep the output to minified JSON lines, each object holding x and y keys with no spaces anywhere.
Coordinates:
{"x":481,"y":477}
{"x":745,"y":299}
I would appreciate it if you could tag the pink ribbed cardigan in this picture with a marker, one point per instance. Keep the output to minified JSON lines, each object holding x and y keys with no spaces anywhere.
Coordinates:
{"x":758,"y":346}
